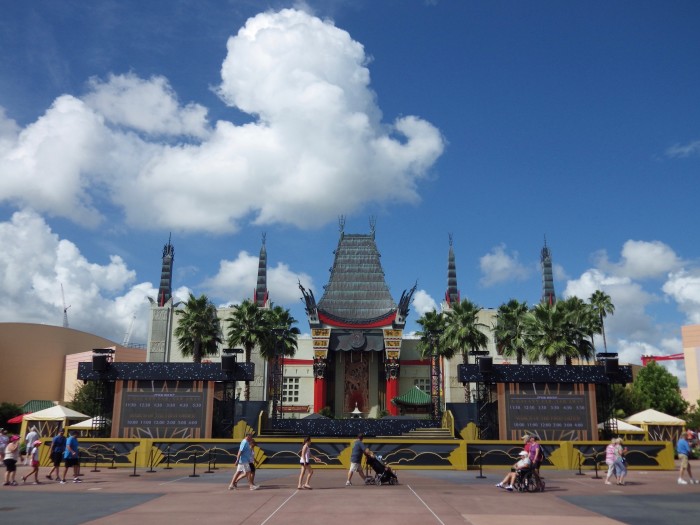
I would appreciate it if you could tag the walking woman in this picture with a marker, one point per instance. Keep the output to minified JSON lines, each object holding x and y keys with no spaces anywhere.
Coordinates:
{"x":304,"y":458}
{"x":11,"y":458}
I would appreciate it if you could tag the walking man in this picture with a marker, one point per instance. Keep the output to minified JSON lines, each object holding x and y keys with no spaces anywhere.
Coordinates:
{"x":683,"y":451}
{"x":358,"y":450}
{"x":71,"y":457}
{"x":58,"y":447}
{"x":243,"y":460}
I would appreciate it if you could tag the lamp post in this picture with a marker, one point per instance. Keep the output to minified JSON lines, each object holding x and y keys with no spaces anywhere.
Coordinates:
{"x":229,"y":365}
{"x":101,"y":360}
{"x":609,"y":360}
{"x":483,"y":392}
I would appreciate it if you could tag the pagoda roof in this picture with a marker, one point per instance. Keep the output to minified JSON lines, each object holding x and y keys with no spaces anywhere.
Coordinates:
{"x":357,"y":293}
{"x":415,"y":397}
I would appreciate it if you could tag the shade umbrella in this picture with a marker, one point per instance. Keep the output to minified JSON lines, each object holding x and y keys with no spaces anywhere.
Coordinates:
{"x":17,"y":419}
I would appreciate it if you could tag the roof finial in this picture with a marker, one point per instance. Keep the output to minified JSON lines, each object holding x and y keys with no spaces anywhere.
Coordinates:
{"x":450,"y":236}
{"x":372,"y":225}
{"x":341,"y":223}
{"x":264,"y":235}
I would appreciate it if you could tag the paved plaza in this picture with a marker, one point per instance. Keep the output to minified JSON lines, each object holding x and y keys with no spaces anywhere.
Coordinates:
{"x":173,"y":497}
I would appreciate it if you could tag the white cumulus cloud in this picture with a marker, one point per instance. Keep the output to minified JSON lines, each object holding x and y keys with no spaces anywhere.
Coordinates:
{"x":684,"y":287}
{"x":150,"y":106}
{"x":423,"y":303}
{"x":642,"y":260}
{"x":499,"y":266}
{"x":316,"y":139}
{"x":35,"y":263}
{"x":235,"y":281}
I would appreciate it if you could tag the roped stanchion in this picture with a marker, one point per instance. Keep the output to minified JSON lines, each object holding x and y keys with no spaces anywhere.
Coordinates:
{"x":167,"y":464}
{"x":209,"y":470}
{"x":595,"y":463}
{"x":481,"y":472}
{"x":215,"y":455}
{"x":580,"y":463}
{"x":95,"y":469}
{"x":114,"y":454}
{"x":135,"y":475}
{"x":151,"y":460}
{"x":194,"y":467}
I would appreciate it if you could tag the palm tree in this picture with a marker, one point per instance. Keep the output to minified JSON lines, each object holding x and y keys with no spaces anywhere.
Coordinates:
{"x":433,"y":326}
{"x":431,"y":346}
{"x":198,"y":331}
{"x":545,"y":325}
{"x":510,"y":330}
{"x":247,"y":328}
{"x":602,"y":305}
{"x":581,"y":324}
{"x":463,"y":331}
{"x":279,"y":339}
{"x":280,"y":336}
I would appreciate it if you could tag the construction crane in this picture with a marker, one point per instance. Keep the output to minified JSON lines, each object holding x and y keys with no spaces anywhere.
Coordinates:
{"x":65,"y":308}
{"x":672,"y":357}
{"x":127,"y":335}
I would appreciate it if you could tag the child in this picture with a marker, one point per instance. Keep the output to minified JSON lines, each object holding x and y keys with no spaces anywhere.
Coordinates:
{"x":34,"y":463}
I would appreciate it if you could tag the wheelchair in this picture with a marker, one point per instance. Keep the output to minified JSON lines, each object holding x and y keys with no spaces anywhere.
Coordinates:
{"x":528,"y":480}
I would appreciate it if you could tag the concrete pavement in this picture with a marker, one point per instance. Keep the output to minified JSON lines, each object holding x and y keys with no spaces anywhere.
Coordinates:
{"x":173,"y":497}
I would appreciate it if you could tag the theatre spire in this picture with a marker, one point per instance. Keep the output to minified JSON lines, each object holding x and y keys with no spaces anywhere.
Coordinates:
{"x":452,"y":293}
{"x":261,"y":294}
{"x":548,"y":295}
{"x":165,"y":291}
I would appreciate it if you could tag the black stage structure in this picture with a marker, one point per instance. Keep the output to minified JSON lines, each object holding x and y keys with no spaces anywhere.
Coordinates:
{"x":167,"y":389}
{"x":488,"y":376}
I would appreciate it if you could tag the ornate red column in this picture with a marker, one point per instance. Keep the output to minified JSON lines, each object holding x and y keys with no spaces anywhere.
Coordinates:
{"x":319,"y":384}
{"x":392,"y":386}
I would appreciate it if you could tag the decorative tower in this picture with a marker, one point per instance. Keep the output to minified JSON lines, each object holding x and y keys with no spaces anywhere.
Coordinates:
{"x":165,"y":292}
{"x":548,"y":295}
{"x":356,"y":328}
{"x":260,"y":296}
{"x":452,"y":293}
{"x":162,"y":311}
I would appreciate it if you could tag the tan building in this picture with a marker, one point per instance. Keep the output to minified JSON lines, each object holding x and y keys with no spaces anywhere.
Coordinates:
{"x":40,"y":361}
{"x":691,"y":351}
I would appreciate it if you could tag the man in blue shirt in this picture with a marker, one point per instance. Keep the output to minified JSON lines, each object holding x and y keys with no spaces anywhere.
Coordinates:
{"x":71,"y":457}
{"x":358,"y":450}
{"x":684,"y":452}
{"x":58,"y":447}
{"x":243,"y":460}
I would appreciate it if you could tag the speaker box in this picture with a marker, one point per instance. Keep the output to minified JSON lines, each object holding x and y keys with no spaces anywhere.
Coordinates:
{"x":611,"y":367}
{"x":228,"y":363}
{"x":486,"y":365}
{"x":99,"y":363}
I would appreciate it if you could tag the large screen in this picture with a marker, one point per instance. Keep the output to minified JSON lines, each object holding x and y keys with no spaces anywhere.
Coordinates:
{"x":552,"y":411}
{"x":162,"y":409}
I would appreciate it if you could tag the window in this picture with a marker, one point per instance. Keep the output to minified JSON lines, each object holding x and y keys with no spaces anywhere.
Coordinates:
{"x":423,"y":383}
{"x":290,"y":390}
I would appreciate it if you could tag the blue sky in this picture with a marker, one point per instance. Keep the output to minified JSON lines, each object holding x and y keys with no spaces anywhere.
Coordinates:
{"x":497,"y":122}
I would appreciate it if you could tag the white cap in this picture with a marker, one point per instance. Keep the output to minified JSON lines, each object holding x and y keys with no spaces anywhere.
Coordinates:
{"x":523,"y":453}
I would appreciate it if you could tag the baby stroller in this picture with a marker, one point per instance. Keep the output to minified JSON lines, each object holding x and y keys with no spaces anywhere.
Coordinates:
{"x":383,"y":475}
